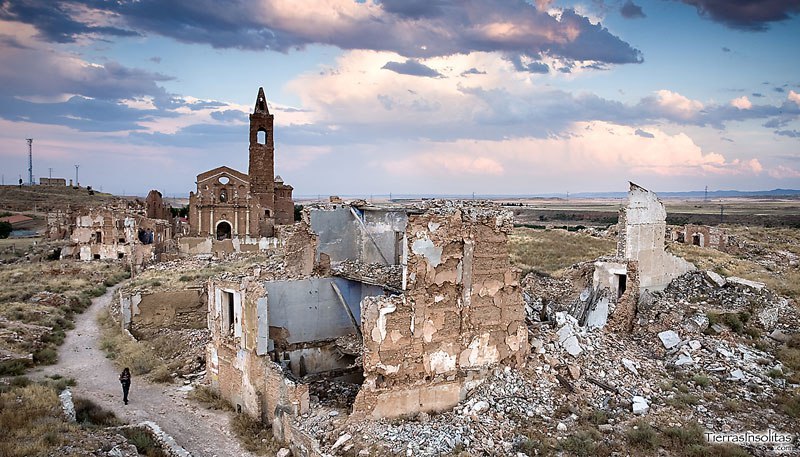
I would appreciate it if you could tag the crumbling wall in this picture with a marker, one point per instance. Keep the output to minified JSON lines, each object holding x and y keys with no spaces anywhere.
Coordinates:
{"x":177,"y":309}
{"x":237,"y":366}
{"x":642,"y":228}
{"x":706,"y":236}
{"x":461,"y":313}
{"x":368,"y":235}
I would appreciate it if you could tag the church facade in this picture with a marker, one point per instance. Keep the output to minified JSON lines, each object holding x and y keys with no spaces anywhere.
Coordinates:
{"x":228,"y":203}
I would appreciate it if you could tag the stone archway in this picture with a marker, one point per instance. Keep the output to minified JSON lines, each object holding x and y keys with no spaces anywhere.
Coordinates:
{"x":224,"y":230}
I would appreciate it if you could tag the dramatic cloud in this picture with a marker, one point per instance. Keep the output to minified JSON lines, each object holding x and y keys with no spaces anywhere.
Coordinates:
{"x":631,"y":10}
{"x":741,"y":103}
{"x":414,"y":29}
{"x":585,"y":148}
{"x":752,"y":15}
{"x":411,"y":67}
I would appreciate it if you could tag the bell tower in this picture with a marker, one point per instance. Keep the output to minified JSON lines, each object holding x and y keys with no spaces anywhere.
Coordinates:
{"x":262,"y":157}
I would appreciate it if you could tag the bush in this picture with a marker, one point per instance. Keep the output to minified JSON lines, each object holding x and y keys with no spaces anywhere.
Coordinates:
{"x":253,"y":435}
{"x":583,"y":443}
{"x":643,"y":436}
{"x":210,"y":398}
{"x":5,"y":229}
{"x":689,"y":434}
{"x":161,"y":374}
{"x":144,"y":442}
{"x":46,"y":356}
{"x":87,"y":412}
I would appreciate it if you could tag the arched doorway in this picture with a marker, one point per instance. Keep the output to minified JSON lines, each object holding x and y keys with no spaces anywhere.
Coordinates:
{"x":223,"y":231}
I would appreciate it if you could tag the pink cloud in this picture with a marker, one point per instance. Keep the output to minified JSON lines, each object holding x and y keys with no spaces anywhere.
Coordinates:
{"x":678,"y":105}
{"x":741,"y":103}
{"x":794,"y":97}
{"x":784,"y":172}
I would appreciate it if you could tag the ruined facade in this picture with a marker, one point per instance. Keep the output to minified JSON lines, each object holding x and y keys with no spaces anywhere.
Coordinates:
{"x":229,"y":204}
{"x":642,"y":228}
{"x":155,"y":206}
{"x":703,"y":236}
{"x":421,"y":304}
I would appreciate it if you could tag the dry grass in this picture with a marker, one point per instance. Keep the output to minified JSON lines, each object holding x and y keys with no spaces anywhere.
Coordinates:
{"x":125,"y":352}
{"x":785,"y":281}
{"x":30,"y":422}
{"x":41,"y":326}
{"x":210,"y":398}
{"x":178,"y":278}
{"x":254,"y":436}
{"x":549,"y":251}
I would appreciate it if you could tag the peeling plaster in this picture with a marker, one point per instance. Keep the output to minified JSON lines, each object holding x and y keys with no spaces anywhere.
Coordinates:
{"x":380,"y":326}
{"x":426,"y":248}
{"x":442,"y":362}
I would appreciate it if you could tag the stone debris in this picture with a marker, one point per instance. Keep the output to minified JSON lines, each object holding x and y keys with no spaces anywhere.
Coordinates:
{"x":669,"y":339}
{"x":640,"y":405}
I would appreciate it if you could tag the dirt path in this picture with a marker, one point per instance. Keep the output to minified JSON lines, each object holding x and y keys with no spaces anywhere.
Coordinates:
{"x":200,"y":431}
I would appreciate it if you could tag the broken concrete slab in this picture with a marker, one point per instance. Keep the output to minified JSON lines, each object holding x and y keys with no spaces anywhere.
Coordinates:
{"x":640,"y":405}
{"x":669,"y":339}
{"x":715,"y":278}
{"x":755,"y":285}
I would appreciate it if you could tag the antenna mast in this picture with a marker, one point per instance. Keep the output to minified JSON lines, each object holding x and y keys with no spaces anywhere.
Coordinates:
{"x":30,"y":161}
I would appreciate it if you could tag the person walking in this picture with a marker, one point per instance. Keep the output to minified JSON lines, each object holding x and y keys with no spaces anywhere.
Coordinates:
{"x":125,"y":379}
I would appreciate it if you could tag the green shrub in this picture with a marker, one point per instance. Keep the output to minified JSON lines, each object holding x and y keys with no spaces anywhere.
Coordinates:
{"x":643,"y":436}
{"x":46,"y":356}
{"x":89,"y":413}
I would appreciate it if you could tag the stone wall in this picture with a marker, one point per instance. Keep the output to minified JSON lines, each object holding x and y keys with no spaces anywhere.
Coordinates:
{"x":461,"y":313}
{"x":642,"y":229}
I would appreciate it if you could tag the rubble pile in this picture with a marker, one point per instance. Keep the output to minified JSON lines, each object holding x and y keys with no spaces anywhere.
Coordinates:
{"x":373,"y":273}
{"x":485,"y":422}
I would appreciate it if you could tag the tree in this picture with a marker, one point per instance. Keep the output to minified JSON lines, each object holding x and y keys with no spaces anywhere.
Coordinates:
{"x":5,"y":229}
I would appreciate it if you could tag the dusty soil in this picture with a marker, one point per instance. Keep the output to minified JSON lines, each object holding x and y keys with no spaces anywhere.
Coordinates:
{"x":200,"y":431}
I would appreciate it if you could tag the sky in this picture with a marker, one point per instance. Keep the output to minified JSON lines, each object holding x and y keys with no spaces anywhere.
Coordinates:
{"x":374,"y":97}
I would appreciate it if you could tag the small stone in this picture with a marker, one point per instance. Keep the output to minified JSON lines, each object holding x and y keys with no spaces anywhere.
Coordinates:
{"x":640,"y":406}
{"x":480,"y":406}
{"x":715,"y":278}
{"x":695,"y":345}
{"x":342,"y":439}
{"x":669,"y":339}
{"x":561,"y":427}
{"x":630,"y":365}
{"x":736,"y":375}
{"x":605,"y":428}
{"x":574,"y":371}
{"x":684,"y":359}
{"x":283,"y":452}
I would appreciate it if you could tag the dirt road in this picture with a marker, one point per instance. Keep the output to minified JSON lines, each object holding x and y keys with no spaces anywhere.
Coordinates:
{"x":200,"y":431}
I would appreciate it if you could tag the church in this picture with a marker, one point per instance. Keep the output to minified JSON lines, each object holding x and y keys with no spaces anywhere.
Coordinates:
{"x":230,"y":204}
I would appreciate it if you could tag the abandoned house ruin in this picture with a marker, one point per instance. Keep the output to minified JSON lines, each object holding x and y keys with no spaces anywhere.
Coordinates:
{"x":411,"y":305}
{"x":704,"y":236}
{"x":230,"y":204}
{"x":607,"y":290}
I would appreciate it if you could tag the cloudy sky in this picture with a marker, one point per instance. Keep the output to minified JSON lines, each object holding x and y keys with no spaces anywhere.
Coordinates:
{"x":406,"y":96}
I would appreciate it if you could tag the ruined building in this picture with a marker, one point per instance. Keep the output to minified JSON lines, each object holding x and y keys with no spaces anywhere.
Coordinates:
{"x":412,"y":306}
{"x":642,"y":228}
{"x":608,"y":290}
{"x":704,"y":236}
{"x":155,"y":206}
{"x":230,"y":204}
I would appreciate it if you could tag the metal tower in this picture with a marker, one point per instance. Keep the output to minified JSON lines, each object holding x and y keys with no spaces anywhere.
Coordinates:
{"x":30,"y":161}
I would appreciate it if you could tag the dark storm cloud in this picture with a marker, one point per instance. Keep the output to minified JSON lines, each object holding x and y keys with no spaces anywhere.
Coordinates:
{"x":751,"y":15}
{"x":415,"y":29}
{"x":53,"y":20}
{"x":229,"y":115}
{"x":473,"y":71}
{"x":84,"y":114}
{"x":532,"y":67}
{"x":411,"y":67}
{"x":631,"y":10}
